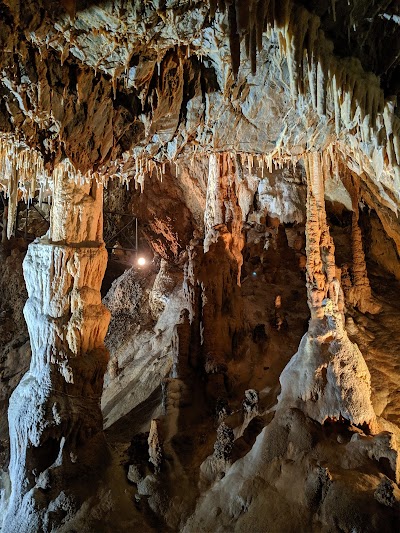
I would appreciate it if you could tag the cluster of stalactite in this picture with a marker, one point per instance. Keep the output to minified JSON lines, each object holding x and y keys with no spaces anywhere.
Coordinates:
{"x":353,"y":96}
{"x":23,"y":175}
{"x":22,"y":172}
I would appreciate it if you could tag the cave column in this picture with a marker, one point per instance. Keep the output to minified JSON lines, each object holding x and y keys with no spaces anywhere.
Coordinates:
{"x":327,"y":378}
{"x":360,"y":294}
{"x":54,"y":414}
{"x":320,"y":249}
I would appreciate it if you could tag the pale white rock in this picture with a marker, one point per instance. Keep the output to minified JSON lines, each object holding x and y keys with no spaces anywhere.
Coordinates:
{"x":328,"y":378}
{"x":54,"y":411}
{"x":281,"y":198}
{"x":143,"y":351}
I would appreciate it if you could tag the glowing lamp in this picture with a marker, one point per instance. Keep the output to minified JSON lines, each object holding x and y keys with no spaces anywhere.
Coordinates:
{"x":141,"y":261}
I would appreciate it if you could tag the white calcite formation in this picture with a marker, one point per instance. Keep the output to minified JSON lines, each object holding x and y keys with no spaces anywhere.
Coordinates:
{"x":54,"y":414}
{"x":327,"y":378}
{"x":21,"y":173}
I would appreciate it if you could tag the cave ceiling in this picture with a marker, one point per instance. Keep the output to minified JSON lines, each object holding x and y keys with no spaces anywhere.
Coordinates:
{"x":119,"y":88}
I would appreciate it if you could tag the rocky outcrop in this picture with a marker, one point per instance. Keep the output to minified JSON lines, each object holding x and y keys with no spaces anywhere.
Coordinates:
{"x":143,"y":337}
{"x":309,"y":483}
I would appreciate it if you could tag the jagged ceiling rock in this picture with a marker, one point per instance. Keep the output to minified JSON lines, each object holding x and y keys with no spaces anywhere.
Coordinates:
{"x":121,"y":87}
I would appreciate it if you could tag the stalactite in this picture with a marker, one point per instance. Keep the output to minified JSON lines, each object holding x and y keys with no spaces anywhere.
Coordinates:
{"x":336,"y":96}
{"x":223,"y":213}
{"x":234,"y":40}
{"x":355,"y":96}
{"x":242,"y":16}
{"x":12,"y":202}
{"x":260,"y":20}
{"x":20,"y":170}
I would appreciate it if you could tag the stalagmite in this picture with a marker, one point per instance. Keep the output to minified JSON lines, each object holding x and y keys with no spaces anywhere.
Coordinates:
{"x":155,"y":449}
{"x":327,"y":378}
{"x":359,"y":294}
{"x":54,"y":414}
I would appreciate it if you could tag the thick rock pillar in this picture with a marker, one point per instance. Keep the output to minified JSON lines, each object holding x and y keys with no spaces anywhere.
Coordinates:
{"x":54,"y":414}
{"x":320,"y":249}
{"x":327,"y":378}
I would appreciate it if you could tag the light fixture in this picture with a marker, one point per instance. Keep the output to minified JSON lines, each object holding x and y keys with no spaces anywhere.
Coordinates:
{"x":141,"y":261}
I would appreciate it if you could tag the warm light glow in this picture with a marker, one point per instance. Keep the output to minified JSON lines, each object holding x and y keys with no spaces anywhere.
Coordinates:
{"x":141,"y":261}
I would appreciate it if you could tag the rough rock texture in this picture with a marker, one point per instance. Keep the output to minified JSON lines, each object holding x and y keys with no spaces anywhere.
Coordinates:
{"x":141,"y":339}
{"x":292,"y":480}
{"x":258,"y":144}
{"x":14,"y":340}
